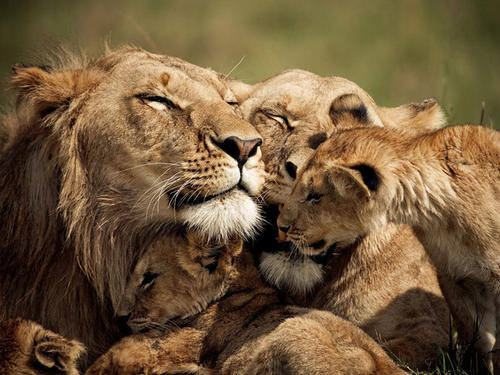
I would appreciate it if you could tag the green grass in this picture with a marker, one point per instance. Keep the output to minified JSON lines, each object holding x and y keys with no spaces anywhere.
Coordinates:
{"x":398,"y":51}
{"x":458,"y":358}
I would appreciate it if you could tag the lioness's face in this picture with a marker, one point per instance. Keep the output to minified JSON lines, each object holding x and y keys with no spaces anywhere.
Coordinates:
{"x":168,"y":136}
{"x":177,"y":277}
{"x":295,"y":112}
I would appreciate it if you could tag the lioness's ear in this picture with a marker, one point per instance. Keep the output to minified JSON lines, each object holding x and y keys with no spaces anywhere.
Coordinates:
{"x":358,"y":181}
{"x":426,"y":115}
{"x":348,"y":107}
{"x":240,"y":89}
{"x":46,"y":88}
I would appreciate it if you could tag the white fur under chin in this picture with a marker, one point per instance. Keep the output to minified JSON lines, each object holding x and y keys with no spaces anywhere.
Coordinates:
{"x":232,"y":214}
{"x":299,"y":276}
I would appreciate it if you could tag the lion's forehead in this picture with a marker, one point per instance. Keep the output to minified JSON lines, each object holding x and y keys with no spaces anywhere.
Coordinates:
{"x":303,"y":90}
{"x":308,"y":100}
{"x":188,"y":83}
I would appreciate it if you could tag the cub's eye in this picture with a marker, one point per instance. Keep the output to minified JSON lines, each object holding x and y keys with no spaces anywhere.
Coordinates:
{"x":282,"y":120}
{"x":148,"y":278}
{"x":313,"y":197}
{"x":157,"y":102}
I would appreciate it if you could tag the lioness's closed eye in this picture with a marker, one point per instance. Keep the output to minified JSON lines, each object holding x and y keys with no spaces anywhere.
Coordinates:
{"x":177,"y":277}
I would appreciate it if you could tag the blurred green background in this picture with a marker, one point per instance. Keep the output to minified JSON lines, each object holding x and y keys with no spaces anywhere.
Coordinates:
{"x":398,"y":51}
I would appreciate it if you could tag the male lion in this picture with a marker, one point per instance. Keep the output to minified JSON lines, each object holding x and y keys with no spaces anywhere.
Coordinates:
{"x":99,"y":160}
{"x":385,"y":284}
{"x":27,"y":348}
{"x":445,"y":184}
{"x":248,"y":331}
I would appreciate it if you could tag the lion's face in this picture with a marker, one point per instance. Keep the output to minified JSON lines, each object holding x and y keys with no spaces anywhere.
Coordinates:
{"x":177,"y":277}
{"x":162,"y":134}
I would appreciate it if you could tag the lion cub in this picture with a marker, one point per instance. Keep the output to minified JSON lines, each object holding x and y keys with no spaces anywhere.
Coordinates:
{"x":247,"y":331}
{"x":444,"y":184}
{"x":177,"y":277}
{"x":28,"y":348}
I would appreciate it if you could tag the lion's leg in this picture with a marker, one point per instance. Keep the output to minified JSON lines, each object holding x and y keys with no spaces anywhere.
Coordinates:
{"x":178,"y":352}
{"x":496,"y":348}
{"x":487,"y":328}
{"x":27,"y":347}
{"x":474,"y":313}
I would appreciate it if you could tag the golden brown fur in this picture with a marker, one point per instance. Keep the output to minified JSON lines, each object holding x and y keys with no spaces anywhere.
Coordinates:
{"x":395,"y":298}
{"x":27,"y":348}
{"x":248,"y":331}
{"x":99,"y":160}
{"x":445,"y":184}
{"x":177,"y":277}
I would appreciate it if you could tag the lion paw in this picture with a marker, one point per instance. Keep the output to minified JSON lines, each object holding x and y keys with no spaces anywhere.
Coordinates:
{"x":143,"y":355}
{"x":27,"y":347}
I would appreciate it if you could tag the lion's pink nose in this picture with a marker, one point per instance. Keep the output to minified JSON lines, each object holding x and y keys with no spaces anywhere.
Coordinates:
{"x":240,"y":149}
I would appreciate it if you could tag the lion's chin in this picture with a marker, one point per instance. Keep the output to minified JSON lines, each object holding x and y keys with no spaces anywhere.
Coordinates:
{"x":297,"y":274}
{"x":229,"y":214}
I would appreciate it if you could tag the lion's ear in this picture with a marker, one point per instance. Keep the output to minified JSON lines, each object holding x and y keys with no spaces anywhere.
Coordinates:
{"x":241,"y":90}
{"x":57,"y":354}
{"x":348,"y":107}
{"x":426,"y":115}
{"x":357,"y":181}
{"x":45,"y":87}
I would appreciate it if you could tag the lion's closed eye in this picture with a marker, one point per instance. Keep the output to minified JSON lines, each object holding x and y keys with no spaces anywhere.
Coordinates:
{"x":157,"y":102}
{"x":280,"y":119}
{"x":148,"y":279}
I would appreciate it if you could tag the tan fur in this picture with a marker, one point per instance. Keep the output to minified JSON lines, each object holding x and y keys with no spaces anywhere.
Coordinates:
{"x":248,"y":331}
{"x":187,"y":273}
{"x":27,"y":348}
{"x":395,"y":298}
{"x":444,"y":184}
{"x":101,"y":159}
{"x":313,"y":105}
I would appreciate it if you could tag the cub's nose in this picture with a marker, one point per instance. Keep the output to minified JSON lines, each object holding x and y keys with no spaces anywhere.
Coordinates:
{"x":240,"y":149}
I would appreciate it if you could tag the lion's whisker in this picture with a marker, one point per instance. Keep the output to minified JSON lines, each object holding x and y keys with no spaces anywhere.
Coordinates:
{"x":146,"y":165}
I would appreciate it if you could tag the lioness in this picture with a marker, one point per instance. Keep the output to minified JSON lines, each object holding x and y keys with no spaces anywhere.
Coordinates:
{"x":248,"y":331}
{"x":385,"y":284}
{"x":27,"y":348}
{"x":445,"y":184}
{"x":99,"y":159}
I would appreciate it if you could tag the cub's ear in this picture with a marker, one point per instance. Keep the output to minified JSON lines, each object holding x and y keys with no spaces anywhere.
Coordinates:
{"x":426,"y":116}
{"x":241,"y":90}
{"x":358,"y":181}
{"x":348,"y":107}
{"x":58,"y":354}
{"x":47,"y":88}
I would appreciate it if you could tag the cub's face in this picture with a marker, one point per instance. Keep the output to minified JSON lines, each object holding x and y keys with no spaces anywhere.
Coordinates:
{"x":177,"y":277}
{"x":159,"y":137}
{"x":340,"y":194}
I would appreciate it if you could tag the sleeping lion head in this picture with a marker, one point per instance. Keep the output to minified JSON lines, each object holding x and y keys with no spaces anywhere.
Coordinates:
{"x":97,"y":160}
{"x":178,"y":276}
